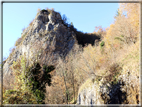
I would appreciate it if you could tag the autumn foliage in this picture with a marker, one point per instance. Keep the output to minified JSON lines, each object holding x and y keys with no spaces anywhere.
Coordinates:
{"x":115,"y":53}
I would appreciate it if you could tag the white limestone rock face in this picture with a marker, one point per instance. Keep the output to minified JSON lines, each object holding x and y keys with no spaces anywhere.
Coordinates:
{"x":89,"y":94}
{"x":104,"y":92}
{"x":46,"y":33}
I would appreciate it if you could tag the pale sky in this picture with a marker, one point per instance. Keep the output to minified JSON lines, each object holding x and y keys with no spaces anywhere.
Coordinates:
{"x":85,"y":16}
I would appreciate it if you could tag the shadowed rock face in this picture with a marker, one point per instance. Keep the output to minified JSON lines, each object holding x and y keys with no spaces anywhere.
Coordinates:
{"x":45,"y":36}
{"x":43,"y":16}
{"x":103,"y":92}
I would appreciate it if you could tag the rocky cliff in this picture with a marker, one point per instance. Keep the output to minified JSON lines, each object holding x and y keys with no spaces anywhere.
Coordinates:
{"x":46,"y":36}
{"x":124,"y":90}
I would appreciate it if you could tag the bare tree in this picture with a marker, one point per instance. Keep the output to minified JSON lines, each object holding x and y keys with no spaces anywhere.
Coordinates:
{"x":62,"y":68}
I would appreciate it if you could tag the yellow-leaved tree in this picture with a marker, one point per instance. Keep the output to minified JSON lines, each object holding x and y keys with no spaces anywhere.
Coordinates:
{"x":132,"y":11}
{"x":125,"y":29}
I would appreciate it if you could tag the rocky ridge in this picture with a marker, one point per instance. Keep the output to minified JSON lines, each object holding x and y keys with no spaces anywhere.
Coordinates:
{"x":46,"y":34}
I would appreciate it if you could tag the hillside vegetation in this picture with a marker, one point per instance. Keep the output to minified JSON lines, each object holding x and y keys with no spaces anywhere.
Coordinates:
{"x":105,"y":57}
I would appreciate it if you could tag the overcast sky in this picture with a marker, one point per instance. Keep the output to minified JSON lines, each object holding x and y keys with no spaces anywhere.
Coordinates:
{"x":85,"y":16}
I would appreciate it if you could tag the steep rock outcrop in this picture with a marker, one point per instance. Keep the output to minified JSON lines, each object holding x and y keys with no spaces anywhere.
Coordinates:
{"x":125,"y":91}
{"x":89,"y":93}
{"x":46,"y":38}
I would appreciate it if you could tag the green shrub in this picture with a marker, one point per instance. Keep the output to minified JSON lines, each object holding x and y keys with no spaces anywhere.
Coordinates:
{"x":102,"y":44}
{"x":118,"y":38}
{"x":18,"y":97}
{"x":29,"y":83}
{"x":37,"y":80}
{"x":44,"y":66}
